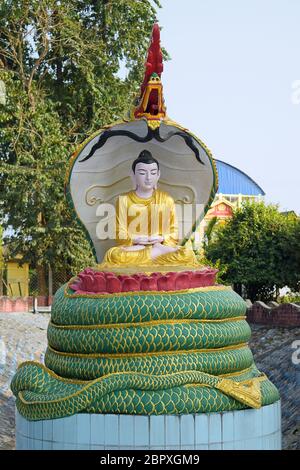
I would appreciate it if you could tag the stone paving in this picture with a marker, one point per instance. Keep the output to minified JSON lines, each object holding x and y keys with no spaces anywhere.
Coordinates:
{"x":23,"y":337}
{"x":272,"y":351}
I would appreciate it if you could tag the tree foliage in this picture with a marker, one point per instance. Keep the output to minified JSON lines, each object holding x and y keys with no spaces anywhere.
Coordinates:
{"x":260,"y":248}
{"x":60,"y":63}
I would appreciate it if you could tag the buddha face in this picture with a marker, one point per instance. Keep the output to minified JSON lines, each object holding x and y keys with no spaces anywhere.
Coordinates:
{"x":146,"y":176}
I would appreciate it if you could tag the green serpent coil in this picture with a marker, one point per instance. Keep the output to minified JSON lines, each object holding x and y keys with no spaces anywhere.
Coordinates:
{"x":144,"y":353}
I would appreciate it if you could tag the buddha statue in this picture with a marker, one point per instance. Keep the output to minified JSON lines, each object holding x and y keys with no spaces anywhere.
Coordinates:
{"x":146,"y":225}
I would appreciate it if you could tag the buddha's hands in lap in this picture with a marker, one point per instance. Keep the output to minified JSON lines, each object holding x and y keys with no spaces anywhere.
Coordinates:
{"x":139,"y":243}
{"x":154,"y":239}
{"x":144,"y":240}
{"x":157,"y":249}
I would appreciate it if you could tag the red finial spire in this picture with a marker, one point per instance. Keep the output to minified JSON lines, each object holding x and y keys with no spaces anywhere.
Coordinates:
{"x":154,"y":62}
{"x":151,"y":103}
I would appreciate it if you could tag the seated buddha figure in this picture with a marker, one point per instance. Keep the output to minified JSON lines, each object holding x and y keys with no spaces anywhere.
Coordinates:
{"x":146,"y":224}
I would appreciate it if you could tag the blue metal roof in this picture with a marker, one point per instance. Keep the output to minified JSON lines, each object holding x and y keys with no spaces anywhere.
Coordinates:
{"x":234,"y":181}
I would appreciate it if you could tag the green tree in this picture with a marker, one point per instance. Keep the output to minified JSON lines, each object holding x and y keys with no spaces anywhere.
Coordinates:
{"x":59,"y":61}
{"x":293,"y":252}
{"x":258,"y":248}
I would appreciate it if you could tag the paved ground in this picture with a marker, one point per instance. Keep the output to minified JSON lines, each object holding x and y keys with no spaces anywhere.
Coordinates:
{"x":23,"y":337}
{"x":272,"y":350}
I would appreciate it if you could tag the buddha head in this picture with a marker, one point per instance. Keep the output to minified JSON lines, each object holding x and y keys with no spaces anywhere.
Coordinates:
{"x":145,"y":172}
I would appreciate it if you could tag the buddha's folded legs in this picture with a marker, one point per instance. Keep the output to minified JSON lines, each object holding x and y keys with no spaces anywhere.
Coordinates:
{"x":118,"y":256}
{"x":133,"y":248}
{"x":177,"y":256}
{"x":182,"y":256}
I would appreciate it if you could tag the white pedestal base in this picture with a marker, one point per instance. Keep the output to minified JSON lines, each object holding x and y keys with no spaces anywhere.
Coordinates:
{"x":247,"y":429}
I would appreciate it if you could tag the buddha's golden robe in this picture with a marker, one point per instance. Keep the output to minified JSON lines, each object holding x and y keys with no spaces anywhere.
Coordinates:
{"x":136,"y":217}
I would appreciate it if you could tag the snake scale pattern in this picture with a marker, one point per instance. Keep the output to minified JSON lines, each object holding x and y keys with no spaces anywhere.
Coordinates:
{"x":144,"y":353}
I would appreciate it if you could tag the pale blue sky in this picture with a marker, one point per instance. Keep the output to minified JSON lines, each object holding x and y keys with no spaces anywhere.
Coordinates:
{"x":230,"y":82}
